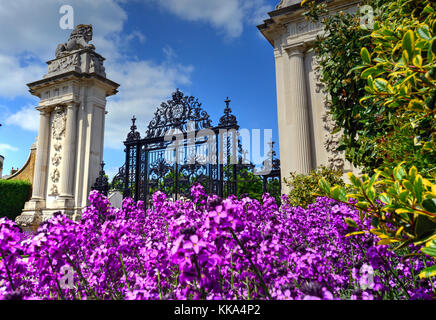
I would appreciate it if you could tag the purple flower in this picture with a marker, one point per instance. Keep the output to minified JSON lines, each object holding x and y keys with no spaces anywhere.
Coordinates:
{"x":194,"y":243}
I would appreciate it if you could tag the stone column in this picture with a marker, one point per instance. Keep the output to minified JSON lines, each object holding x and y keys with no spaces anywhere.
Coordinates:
{"x":67,"y":173}
{"x":38,"y":192}
{"x":298,"y":114}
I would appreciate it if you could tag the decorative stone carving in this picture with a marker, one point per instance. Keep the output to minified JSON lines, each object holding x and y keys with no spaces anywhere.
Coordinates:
{"x":54,"y":190}
{"x":59,"y":122}
{"x":67,"y":63}
{"x":331,"y":141}
{"x":55,"y":175}
{"x":57,"y":146}
{"x":79,"y":39}
{"x":96,"y":65}
{"x":28,"y":221}
{"x":58,"y":132}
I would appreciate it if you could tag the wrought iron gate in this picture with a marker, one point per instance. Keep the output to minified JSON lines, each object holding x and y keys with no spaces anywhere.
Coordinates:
{"x":182,"y":147}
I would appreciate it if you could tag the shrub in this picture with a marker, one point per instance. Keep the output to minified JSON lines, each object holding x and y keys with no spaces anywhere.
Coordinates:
{"x":381,"y":82}
{"x":13,"y":195}
{"x":400,"y":72}
{"x":401,"y":205}
{"x":304,"y":188}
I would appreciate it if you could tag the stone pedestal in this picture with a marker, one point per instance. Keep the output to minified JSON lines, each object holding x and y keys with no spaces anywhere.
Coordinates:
{"x":70,"y":139}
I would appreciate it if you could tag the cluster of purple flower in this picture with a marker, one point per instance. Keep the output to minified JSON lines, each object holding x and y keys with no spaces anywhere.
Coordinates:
{"x":207,"y":248}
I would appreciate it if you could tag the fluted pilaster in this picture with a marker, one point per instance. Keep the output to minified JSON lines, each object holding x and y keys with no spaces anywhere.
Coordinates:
{"x":297,"y":113}
{"x":67,"y":174}
{"x":40,"y":176}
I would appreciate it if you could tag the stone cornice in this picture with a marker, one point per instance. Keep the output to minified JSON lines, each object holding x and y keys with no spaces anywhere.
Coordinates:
{"x":110,"y":86}
{"x":290,"y":20}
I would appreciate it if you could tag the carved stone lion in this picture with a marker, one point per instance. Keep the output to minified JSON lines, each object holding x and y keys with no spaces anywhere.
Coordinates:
{"x":79,"y":39}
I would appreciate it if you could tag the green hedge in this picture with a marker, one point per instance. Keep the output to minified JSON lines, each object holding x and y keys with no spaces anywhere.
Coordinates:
{"x":13,"y":195}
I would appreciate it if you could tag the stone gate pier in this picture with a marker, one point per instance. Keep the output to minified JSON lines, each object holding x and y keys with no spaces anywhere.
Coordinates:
{"x":71,"y":129}
{"x":305,"y":125}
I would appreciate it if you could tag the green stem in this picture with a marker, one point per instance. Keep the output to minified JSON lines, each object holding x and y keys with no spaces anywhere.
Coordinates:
{"x":203,"y":293}
{"x":430,"y":279}
{"x":248,"y":287}
{"x":8,"y":272}
{"x":258,"y":274}
{"x":59,"y":290}
{"x":87,"y":286}
{"x":159,"y":284}
{"x":124,"y":272}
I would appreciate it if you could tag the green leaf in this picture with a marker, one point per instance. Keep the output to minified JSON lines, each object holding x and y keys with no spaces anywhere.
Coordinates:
{"x":339,"y":193}
{"x":429,"y":205}
{"x":364,"y":54}
{"x":424,"y":227}
{"x":371,"y":194}
{"x":356,"y":68}
{"x":368,"y":72}
{"x":363,"y":204}
{"x":324,"y":186}
{"x":428,"y":9}
{"x":416,"y":105}
{"x":428,"y":272}
{"x":373,"y":179}
{"x":351,"y":223}
{"x":408,"y":43}
{"x":405,"y":58}
{"x":399,"y":173}
{"x":433,"y":46}
{"x":380,"y":84}
{"x":417,"y":61}
{"x":403,"y":195}
{"x":430,"y":251}
{"x":418,"y":188}
{"x":412,"y":173}
{"x":354,"y":180}
{"x":424,"y":33}
{"x":385,"y":198}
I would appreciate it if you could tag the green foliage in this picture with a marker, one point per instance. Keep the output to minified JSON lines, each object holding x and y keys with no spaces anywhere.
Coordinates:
{"x":13,"y":195}
{"x":338,"y":51}
{"x":380,"y":83}
{"x":400,"y":72}
{"x":401,"y":204}
{"x":304,"y":188}
{"x":251,"y":185}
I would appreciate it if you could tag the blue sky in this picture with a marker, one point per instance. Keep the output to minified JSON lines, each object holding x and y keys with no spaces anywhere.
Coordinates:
{"x":209,"y":49}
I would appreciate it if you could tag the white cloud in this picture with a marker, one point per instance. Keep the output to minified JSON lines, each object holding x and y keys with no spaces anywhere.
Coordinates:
{"x":144,"y":86}
{"x":35,"y":37}
{"x":136,"y":34}
{"x":111,"y":172}
{"x":27,"y":118}
{"x":15,"y":76}
{"x":6,"y":147}
{"x":33,"y":26}
{"x":228,"y":16}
